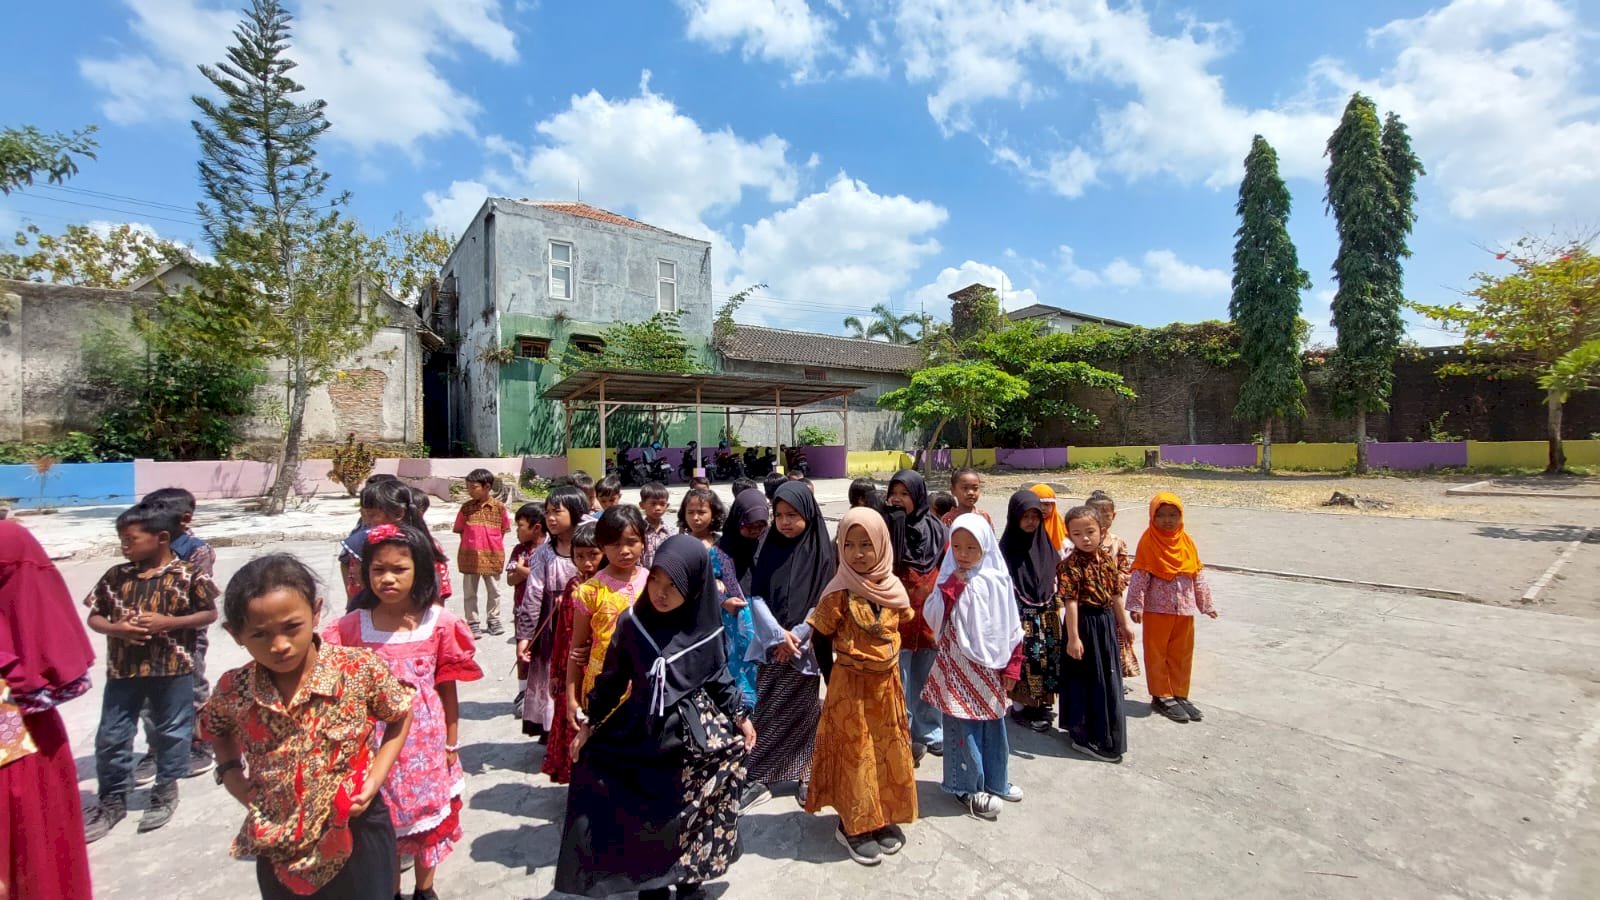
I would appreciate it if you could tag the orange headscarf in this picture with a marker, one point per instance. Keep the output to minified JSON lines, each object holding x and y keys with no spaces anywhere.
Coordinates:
{"x":1166,"y":554}
{"x":1054,"y":527}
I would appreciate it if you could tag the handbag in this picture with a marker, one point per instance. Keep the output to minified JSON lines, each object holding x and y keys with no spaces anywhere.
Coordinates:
{"x":706,"y":730}
{"x":15,"y":742}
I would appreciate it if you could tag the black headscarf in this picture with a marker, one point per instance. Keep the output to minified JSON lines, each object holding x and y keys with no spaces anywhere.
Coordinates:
{"x":791,"y":572}
{"x":918,"y":537}
{"x":684,"y":560}
{"x":749,"y":506}
{"x":1030,"y":557}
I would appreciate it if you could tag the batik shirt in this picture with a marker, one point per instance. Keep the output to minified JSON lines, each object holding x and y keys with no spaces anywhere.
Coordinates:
{"x":483,"y":528}
{"x":175,"y":589}
{"x":1089,"y":579}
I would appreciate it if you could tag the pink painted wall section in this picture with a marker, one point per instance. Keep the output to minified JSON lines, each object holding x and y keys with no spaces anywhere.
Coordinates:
{"x":1417,"y":456}
{"x":228,"y":479}
{"x":1227,"y":456}
{"x":1032,"y":457}
{"x":546,"y":467}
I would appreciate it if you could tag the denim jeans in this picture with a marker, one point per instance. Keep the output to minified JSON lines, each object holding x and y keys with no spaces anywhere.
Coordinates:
{"x":927,"y":723}
{"x":171,"y":699}
{"x":202,"y":693}
{"x":975,"y":756}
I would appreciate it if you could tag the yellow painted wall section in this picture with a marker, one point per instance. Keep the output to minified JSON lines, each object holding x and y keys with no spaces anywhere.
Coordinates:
{"x":982,"y":457}
{"x":877,"y":461}
{"x":1077,"y":456}
{"x":1530,"y":454}
{"x":587,"y":459}
{"x":1317,"y":457}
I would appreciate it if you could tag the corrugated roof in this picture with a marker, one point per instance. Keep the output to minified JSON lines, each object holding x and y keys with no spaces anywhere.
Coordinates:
{"x":595,"y":213}
{"x":757,"y":344}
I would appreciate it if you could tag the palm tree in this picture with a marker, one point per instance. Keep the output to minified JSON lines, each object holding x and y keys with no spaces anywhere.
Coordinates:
{"x":886,"y":325}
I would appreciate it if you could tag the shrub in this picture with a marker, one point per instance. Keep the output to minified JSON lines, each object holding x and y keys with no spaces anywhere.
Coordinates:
{"x":75,"y":447}
{"x":815,"y":436}
{"x":352,"y":463}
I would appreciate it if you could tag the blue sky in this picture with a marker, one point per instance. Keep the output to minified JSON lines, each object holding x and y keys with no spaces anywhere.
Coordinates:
{"x":1075,"y":152}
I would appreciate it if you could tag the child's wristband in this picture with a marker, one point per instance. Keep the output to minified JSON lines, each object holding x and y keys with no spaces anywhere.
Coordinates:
{"x":452,"y":748}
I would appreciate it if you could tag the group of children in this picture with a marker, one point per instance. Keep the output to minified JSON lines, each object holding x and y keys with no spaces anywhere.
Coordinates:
{"x":675,"y":673}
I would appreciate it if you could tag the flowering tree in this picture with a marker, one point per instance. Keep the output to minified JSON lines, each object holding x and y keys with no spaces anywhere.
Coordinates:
{"x":1541,"y":321}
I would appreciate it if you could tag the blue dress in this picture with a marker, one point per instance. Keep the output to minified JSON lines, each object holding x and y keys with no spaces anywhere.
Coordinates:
{"x":738,"y":629}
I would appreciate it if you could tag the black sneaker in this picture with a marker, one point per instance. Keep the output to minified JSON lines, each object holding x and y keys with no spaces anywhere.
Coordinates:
{"x":862,"y":848}
{"x":755,"y":794}
{"x":1170,"y":708}
{"x":1194,"y":711}
{"x":516,"y":704}
{"x":890,"y":839}
{"x":495,"y":628}
{"x":936,"y":748}
{"x":476,"y":629}
{"x":144,"y":771}
{"x":918,"y":751}
{"x":163,"y":804}
{"x":424,"y":894}
{"x":200,"y":760}
{"x":98,"y":822}
{"x":1092,"y":753}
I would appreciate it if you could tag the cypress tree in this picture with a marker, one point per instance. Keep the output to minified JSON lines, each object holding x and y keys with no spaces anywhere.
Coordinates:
{"x":1267,"y":281}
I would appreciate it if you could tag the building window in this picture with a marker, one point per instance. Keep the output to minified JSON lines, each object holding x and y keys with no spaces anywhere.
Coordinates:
{"x":666,"y":286}
{"x":816,"y":374}
{"x":532,"y":348}
{"x":560,"y":270}
{"x":586,"y":344}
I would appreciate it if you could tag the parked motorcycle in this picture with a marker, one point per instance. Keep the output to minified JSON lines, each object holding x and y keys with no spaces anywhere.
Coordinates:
{"x":691,"y":457}
{"x":726,"y":465}
{"x":656,"y":468}
{"x":794,"y":458}
{"x":760,"y":466}
{"x":631,"y":472}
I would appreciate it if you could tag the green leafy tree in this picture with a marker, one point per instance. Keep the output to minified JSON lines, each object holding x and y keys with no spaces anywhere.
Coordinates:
{"x":405,"y":260}
{"x":885,"y":324}
{"x":288,"y":264}
{"x":27,"y":153}
{"x":1371,"y":192}
{"x":83,"y":256}
{"x":1041,"y":358}
{"x":1541,"y":321}
{"x":654,"y":345}
{"x":1267,"y":281}
{"x":722,"y":325}
{"x":972,"y":392}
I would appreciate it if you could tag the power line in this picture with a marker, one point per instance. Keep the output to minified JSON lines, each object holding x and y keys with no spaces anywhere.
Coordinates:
{"x":126,"y":212}
{"x":120,"y":198}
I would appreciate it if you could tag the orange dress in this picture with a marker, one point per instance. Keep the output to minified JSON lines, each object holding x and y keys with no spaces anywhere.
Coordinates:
{"x":862,"y":764}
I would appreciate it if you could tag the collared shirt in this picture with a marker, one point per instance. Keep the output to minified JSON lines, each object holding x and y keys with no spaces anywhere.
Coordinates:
{"x":482,"y":526}
{"x":196,"y":553}
{"x":654,"y":537}
{"x":175,"y":589}
{"x":1091,"y":579}
{"x":304,"y":755}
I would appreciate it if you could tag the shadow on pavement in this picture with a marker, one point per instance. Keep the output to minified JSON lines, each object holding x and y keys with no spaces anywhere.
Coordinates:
{"x":485,"y":710}
{"x":547,"y":802}
{"x":1559,"y":533}
{"x":526,"y":847}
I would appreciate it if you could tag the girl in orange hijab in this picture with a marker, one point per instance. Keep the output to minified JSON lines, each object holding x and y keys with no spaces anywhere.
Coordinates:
{"x":1054,"y":527}
{"x":1167,"y":590}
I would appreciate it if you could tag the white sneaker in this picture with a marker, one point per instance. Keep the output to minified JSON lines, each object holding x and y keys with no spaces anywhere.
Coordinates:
{"x":1013,"y":794}
{"x":981,"y":805}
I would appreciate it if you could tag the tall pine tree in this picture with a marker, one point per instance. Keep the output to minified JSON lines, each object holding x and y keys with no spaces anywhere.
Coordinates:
{"x":1267,"y":281}
{"x":288,"y":265}
{"x":1371,"y":204}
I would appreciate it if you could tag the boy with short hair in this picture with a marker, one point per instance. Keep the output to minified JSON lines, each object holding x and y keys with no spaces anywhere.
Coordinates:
{"x":530,"y":535}
{"x":199,"y":555}
{"x":966,"y":486}
{"x":583,"y":481}
{"x":482,"y":523}
{"x":607,"y":493}
{"x":942,"y":503}
{"x":742,"y":484}
{"x":699,"y":481}
{"x":150,"y":609}
{"x":653,"y":502}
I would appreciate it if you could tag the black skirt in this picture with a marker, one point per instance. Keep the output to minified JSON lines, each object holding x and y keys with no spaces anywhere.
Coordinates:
{"x":369,"y":873}
{"x":1092,"y":711}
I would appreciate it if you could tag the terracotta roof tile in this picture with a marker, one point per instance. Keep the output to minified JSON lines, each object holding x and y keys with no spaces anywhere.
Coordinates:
{"x":585,"y":211}
{"x":757,"y":344}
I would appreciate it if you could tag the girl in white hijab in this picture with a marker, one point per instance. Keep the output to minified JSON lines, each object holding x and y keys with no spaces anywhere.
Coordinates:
{"x":973,"y":614}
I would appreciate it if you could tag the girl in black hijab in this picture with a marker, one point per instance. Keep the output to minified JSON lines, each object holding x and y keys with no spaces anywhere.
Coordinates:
{"x":656,"y":783}
{"x":1032,"y":561}
{"x":742,"y":533}
{"x":795,"y":562}
{"x":919,"y":540}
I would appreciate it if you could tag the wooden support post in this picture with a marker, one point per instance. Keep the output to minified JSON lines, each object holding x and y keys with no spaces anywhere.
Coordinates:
{"x":699,"y":437}
{"x":602,"y":472}
{"x":777,"y":428}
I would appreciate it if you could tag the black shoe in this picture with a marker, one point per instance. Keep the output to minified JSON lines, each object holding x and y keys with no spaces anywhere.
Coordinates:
{"x":424,"y":894}
{"x":1169,"y":707}
{"x":755,"y":794}
{"x":1092,"y":753}
{"x":200,"y":760}
{"x":890,"y":839}
{"x":163,"y":804}
{"x":144,"y":771}
{"x":1194,"y":711}
{"x":690,"y":890}
{"x":936,"y":748}
{"x":98,"y":822}
{"x":918,"y":751}
{"x":495,"y":628}
{"x":801,"y":791}
{"x":476,"y":629}
{"x":862,"y":848}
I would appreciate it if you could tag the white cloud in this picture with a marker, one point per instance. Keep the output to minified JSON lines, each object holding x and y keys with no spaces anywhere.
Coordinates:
{"x":934,"y":297}
{"x":1171,"y":274}
{"x":784,"y":31}
{"x":866,"y":64}
{"x":1121,"y":273}
{"x":453,"y":209}
{"x":1068,"y":174}
{"x":373,"y":61}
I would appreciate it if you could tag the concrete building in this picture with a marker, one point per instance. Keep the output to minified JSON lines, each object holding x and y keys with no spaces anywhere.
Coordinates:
{"x":43,"y":396}
{"x":527,"y":281}
{"x":1054,"y":318}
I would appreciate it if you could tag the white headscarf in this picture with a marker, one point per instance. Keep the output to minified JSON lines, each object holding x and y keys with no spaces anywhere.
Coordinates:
{"x":988,"y":628}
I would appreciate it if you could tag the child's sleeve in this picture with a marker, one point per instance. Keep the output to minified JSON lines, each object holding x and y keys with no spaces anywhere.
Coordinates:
{"x":1138,"y":586}
{"x":1124,"y":566}
{"x":203,"y":593}
{"x":332,"y":635}
{"x":456,"y":651}
{"x":461,"y":520}
{"x":1013,"y":670}
{"x":388,"y":698}
{"x":204,"y":560}
{"x":525,"y":616}
{"x":100,"y":601}
{"x":505,"y":520}
{"x":829,"y":614}
{"x":1202,"y":593}
{"x":215,"y":719}
{"x":1066,"y":583}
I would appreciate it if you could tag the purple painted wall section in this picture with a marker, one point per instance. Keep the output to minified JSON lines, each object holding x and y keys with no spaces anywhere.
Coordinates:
{"x":1417,"y":456}
{"x":940,"y":460}
{"x":827,"y":462}
{"x":1032,"y":457}
{"x":1228,"y":456}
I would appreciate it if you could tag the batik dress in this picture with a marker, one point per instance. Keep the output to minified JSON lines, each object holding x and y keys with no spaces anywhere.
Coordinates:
{"x":1117,"y":548}
{"x":424,"y":789}
{"x":548,"y":574}
{"x":558,"y":750}
{"x":1092,"y":711}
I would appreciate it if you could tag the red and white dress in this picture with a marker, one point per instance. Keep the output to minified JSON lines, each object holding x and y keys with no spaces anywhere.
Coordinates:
{"x":424,"y":789}
{"x":959,"y":687}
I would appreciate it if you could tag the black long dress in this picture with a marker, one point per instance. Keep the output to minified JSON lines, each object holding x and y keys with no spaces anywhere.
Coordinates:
{"x":648,"y":807}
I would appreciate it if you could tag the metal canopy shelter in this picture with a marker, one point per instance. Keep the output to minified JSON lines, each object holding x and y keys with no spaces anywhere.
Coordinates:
{"x":609,"y":389}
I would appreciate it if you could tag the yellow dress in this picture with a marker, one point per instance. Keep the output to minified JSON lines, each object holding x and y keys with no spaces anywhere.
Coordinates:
{"x":606,"y":599}
{"x":862,"y":763}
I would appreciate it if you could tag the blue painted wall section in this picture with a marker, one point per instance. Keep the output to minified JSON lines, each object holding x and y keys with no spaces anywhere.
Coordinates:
{"x":68,"y":484}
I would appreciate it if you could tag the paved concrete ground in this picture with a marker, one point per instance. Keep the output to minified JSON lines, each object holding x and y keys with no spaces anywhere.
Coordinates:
{"x":1358,"y":744}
